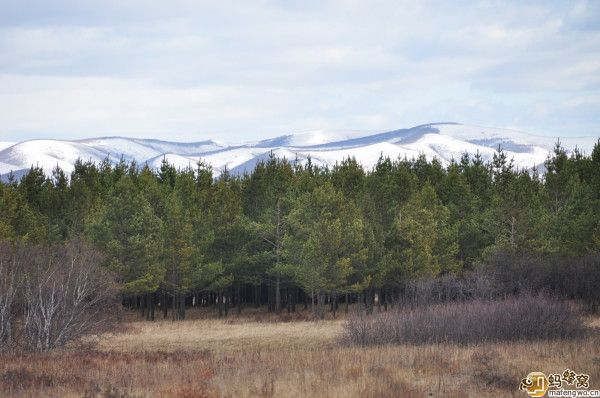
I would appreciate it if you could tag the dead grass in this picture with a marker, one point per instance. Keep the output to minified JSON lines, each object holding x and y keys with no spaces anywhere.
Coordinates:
{"x":76,"y":373}
{"x":205,"y":357}
{"x":221,"y":335}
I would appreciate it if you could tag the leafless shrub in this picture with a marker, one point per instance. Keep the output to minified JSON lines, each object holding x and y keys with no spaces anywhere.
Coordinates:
{"x":469,"y":322}
{"x":570,"y":277}
{"x":66,"y":295}
{"x":478,"y":284}
{"x":508,"y":274}
{"x":9,"y":285}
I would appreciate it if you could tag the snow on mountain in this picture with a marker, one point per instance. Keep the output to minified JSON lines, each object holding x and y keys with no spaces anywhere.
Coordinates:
{"x":444,"y":141}
{"x":6,"y":144}
{"x":132,"y":148}
{"x":46,"y":154}
{"x":312,"y":138}
{"x":512,"y":140}
{"x":179,"y":161}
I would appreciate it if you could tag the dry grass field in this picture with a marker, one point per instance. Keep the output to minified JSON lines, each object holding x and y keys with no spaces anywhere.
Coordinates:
{"x":257,"y":355}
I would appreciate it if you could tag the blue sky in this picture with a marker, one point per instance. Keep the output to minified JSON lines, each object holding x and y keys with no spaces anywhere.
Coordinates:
{"x":245,"y":70}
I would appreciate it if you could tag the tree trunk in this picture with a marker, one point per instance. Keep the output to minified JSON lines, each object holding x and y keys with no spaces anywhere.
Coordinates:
{"x":369,"y":302}
{"x":278,"y":258}
{"x":278,"y":294}
{"x":143,"y":305}
{"x":305,"y":301}
{"x":335,"y":304}
{"x":174,"y":308}
{"x":152,"y":306}
{"x":294,"y":299}
{"x":181,"y":306}
{"x":359,"y":302}
{"x":165,"y":305}
{"x":220,"y":302}
{"x":320,"y":305}
{"x":270,"y":297}
{"x":384,"y":296}
{"x":257,"y":296}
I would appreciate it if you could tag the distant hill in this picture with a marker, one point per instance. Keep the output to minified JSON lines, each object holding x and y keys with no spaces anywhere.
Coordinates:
{"x":444,"y":141}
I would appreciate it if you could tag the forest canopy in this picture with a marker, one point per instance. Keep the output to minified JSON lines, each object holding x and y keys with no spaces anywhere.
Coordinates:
{"x":178,"y":237}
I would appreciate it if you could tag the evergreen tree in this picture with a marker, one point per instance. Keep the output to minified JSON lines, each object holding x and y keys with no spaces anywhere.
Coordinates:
{"x":425,"y":243}
{"x":325,"y":238}
{"x":129,"y":233}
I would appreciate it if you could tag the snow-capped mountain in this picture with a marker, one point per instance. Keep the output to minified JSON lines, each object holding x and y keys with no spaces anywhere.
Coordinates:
{"x":6,"y":144}
{"x":444,"y":141}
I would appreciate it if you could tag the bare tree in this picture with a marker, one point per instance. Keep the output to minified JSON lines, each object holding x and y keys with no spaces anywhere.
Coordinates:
{"x":67,"y":295}
{"x":8,"y":292}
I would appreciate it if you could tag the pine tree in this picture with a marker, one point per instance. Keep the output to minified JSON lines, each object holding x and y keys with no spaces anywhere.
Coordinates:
{"x":325,"y":239}
{"x":129,"y":233}
{"x":425,"y":242}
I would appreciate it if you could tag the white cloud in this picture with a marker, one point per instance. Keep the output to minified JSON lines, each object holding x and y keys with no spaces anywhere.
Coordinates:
{"x":251,"y":69}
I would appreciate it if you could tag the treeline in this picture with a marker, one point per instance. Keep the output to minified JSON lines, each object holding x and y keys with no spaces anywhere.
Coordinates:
{"x":288,"y":234}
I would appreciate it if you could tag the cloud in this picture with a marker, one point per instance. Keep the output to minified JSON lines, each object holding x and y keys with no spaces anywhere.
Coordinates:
{"x":246,"y":70}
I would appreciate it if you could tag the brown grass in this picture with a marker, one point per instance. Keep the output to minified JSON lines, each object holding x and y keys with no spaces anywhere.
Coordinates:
{"x":205,"y":357}
{"x":220,"y":336}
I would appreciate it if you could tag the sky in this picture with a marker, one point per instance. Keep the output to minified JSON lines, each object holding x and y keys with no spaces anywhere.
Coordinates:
{"x":247,"y":70}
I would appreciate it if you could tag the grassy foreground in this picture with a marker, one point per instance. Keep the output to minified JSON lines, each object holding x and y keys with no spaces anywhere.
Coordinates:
{"x":256,"y":355}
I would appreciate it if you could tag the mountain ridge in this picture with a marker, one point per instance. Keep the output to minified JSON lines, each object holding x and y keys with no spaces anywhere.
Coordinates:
{"x":442,"y":140}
